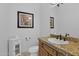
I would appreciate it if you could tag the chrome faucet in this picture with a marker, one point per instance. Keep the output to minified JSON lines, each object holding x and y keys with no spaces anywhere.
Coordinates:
{"x":65,"y":37}
{"x":59,"y":37}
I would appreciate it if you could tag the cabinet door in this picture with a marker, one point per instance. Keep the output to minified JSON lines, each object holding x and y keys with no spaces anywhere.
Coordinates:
{"x":50,"y":50}
{"x":40,"y":50}
{"x":44,"y":53}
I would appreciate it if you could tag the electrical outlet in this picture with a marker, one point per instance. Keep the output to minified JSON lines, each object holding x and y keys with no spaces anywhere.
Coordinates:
{"x":29,"y":37}
{"x":26,"y":38}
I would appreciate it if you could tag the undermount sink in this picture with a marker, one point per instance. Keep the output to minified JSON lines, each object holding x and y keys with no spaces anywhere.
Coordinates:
{"x":57,"y":41}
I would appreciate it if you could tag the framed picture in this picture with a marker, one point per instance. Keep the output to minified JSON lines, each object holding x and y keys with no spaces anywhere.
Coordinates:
{"x":51,"y":22}
{"x":25,"y":20}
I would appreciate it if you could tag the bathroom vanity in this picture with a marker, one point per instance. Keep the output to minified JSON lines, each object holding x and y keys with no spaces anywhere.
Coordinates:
{"x":48,"y":49}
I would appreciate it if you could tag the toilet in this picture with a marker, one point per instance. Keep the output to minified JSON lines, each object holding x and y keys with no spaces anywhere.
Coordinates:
{"x":33,"y":51}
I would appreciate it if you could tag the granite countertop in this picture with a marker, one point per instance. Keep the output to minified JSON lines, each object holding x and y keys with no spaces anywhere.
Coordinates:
{"x":71,"y":48}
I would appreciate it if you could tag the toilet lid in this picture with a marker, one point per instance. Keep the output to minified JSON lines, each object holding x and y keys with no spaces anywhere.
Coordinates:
{"x":33,"y":49}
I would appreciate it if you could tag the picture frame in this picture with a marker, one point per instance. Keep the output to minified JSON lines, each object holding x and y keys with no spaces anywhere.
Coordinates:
{"x":25,"y":20}
{"x":51,"y":22}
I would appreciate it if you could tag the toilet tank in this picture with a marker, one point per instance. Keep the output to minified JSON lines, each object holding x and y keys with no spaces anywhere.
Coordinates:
{"x":14,"y":47}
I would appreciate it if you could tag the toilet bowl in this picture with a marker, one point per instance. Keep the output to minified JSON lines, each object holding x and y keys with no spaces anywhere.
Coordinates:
{"x":33,"y":51}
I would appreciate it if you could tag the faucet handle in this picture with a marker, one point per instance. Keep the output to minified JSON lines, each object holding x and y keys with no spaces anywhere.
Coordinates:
{"x":66,"y":34}
{"x":60,"y":36}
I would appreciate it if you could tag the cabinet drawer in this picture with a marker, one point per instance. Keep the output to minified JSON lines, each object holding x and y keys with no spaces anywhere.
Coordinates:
{"x":49,"y":50}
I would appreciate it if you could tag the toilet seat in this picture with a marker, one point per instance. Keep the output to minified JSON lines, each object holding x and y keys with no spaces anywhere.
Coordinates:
{"x":33,"y":50}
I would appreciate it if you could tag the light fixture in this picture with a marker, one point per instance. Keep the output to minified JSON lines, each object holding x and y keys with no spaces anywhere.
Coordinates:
{"x":55,"y":4}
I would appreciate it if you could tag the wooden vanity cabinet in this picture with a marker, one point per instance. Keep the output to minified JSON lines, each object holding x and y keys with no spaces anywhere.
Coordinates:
{"x":60,"y":54}
{"x":46,"y":50}
{"x":43,"y":52}
{"x":49,"y":50}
